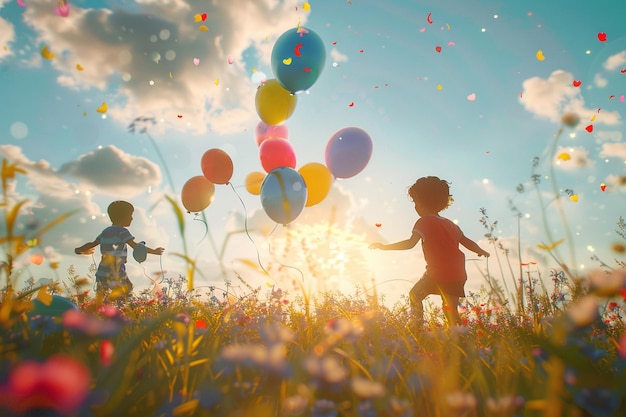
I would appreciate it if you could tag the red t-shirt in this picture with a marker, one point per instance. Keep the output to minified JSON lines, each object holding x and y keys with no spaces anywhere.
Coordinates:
{"x":445,"y":262}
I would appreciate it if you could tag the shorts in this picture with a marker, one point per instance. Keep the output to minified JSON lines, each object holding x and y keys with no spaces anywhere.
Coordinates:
{"x":426,"y":285}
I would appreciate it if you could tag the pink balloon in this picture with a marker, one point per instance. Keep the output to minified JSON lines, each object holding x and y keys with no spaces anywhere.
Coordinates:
{"x":264,"y":131}
{"x":276,"y":153}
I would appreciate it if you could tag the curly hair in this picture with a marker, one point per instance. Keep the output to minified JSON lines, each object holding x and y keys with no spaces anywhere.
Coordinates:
{"x":432,"y":193}
{"x":119,"y":209}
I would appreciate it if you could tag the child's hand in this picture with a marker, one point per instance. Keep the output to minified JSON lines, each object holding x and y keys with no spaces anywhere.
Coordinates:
{"x":158,"y":251}
{"x":376,"y":245}
{"x":483,"y":253}
{"x":89,"y":251}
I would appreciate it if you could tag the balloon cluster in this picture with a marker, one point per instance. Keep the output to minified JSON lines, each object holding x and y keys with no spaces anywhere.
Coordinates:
{"x":298,"y":57}
{"x":199,"y":191}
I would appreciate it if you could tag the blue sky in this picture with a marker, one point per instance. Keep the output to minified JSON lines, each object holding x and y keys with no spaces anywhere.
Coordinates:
{"x":476,"y":114}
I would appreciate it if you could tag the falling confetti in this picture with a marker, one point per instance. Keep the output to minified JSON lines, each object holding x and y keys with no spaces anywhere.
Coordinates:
{"x":539,"y":55}
{"x":438,"y":48}
{"x":217,"y":81}
{"x":574,"y":198}
{"x":199,"y":17}
{"x":589,"y":128}
{"x":471,"y":97}
{"x":196,"y":61}
{"x":351,"y":104}
{"x":45,"y":53}
{"x":62,"y":9}
{"x":306,"y":6}
{"x":623,"y":70}
{"x":621,"y":98}
{"x":230,"y":60}
{"x":287,"y":61}
{"x":603,"y":187}
{"x":103,"y":108}
{"x":602,"y":36}
{"x":378,"y":224}
{"x":439,"y":86}
{"x":203,"y":28}
{"x":21,"y":3}
{"x":428,"y":19}
{"x":171,"y":74}
{"x":564,"y":156}
{"x":577,"y":83}
{"x":550,"y":246}
{"x":79,"y":67}
{"x":180,"y":116}
{"x":296,"y":50}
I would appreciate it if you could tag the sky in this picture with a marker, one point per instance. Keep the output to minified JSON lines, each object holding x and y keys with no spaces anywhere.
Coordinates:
{"x":471,"y":91}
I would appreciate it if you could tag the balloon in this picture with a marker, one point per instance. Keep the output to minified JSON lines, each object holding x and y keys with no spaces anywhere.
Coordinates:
{"x":318,"y":180}
{"x":57,"y":307}
{"x":140,"y":252}
{"x":274,"y":104}
{"x":283,"y":195}
{"x":254,"y":181}
{"x":348,"y":152}
{"x":298,"y":57}
{"x":276,"y":153}
{"x":197,"y":194}
{"x":217,"y":166}
{"x":264,"y":131}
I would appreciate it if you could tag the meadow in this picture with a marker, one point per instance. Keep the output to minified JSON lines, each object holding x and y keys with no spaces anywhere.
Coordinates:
{"x":553,"y":346}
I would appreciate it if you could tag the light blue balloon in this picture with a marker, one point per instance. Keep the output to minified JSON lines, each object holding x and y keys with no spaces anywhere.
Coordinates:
{"x":140,"y":252}
{"x":283,"y":194}
{"x":348,"y":152}
{"x":298,"y":58}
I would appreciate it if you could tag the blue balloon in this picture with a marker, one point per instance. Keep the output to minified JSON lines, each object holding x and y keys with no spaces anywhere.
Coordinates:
{"x":57,"y":307}
{"x":348,"y":152}
{"x":283,"y":194}
{"x":298,"y":58}
{"x":140,"y":252}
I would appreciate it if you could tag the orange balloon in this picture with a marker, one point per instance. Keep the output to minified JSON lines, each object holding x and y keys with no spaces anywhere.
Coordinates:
{"x":217,"y":166}
{"x":254,"y":180}
{"x":197,"y":194}
{"x":318,"y":180}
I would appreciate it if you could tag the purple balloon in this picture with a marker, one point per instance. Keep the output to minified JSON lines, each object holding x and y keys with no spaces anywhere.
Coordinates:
{"x":348,"y":152}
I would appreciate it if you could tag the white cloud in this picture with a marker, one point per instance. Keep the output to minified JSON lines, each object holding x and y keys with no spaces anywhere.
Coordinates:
{"x":600,"y":81}
{"x":550,"y":98}
{"x":113,"y":171}
{"x":616,"y":61}
{"x":7,"y":35}
{"x":613,"y":150}
{"x":578,"y":158}
{"x":337,"y":56}
{"x":158,"y":44}
{"x":609,"y":136}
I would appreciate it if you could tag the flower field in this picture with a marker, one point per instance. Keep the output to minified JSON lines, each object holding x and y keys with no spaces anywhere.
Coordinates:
{"x":539,"y":350}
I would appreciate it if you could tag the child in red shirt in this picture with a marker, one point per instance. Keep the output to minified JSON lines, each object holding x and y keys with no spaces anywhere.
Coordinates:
{"x":445,"y":263}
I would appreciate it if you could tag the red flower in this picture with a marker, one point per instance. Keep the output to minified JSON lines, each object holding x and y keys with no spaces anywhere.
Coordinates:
{"x":61,"y":383}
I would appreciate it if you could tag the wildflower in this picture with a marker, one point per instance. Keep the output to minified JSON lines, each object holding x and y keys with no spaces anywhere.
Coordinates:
{"x":622,"y":346}
{"x":92,"y":326}
{"x":366,"y":409}
{"x":295,"y":405}
{"x":365,"y":388}
{"x":325,"y":368}
{"x":570,"y":119}
{"x":584,"y":312}
{"x":324,"y":408}
{"x":607,"y":284}
{"x":399,"y":408}
{"x":598,"y":401}
{"x":504,"y":406}
{"x":276,"y":333}
{"x":461,"y":402}
{"x":61,"y":384}
{"x":106,"y":352}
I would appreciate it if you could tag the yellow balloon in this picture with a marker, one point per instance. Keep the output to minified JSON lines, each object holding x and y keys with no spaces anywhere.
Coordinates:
{"x":197,"y":193}
{"x":254,"y":181}
{"x":274,"y":104}
{"x":318,"y":180}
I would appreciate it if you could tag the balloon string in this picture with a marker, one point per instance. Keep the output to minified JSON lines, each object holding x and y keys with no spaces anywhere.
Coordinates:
{"x":206,"y":226}
{"x":269,"y":248}
{"x":245,"y":225}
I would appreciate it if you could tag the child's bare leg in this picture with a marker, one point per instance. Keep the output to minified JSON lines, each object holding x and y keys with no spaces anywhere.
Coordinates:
{"x":416,"y":297}
{"x":451,"y":310}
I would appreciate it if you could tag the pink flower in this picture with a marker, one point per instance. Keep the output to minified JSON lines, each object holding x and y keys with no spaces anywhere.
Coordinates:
{"x":61,"y":383}
{"x":106,"y":352}
{"x":62,"y":9}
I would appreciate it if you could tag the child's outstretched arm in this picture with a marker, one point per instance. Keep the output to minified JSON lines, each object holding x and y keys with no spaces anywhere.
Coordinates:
{"x":473,"y":246}
{"x":87,"y":248}
{"x":156,"y":251}
{"x":401,"y":245}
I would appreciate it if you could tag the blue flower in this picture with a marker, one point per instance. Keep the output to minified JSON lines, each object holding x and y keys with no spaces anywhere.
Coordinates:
{"x":598,"y":401}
